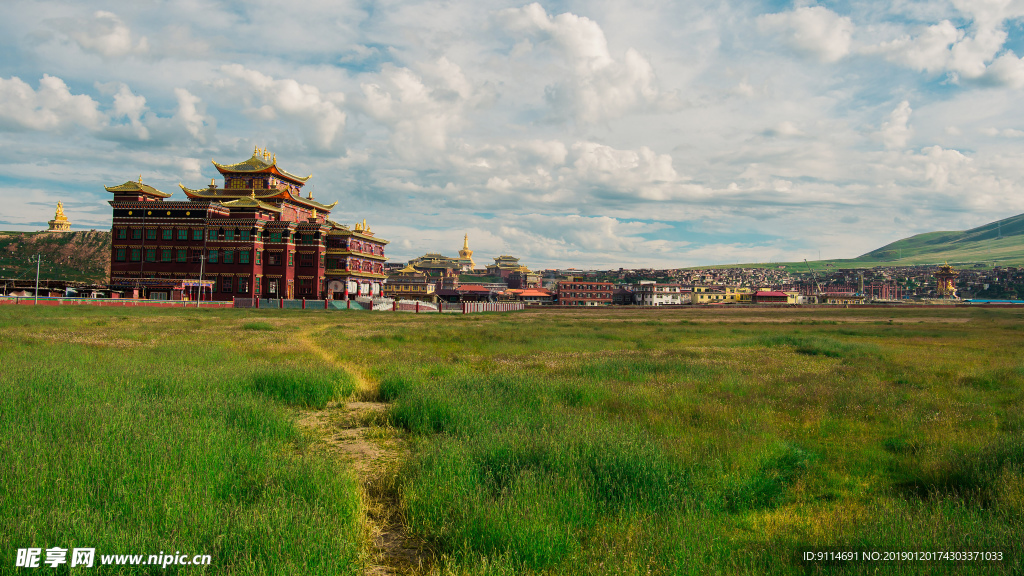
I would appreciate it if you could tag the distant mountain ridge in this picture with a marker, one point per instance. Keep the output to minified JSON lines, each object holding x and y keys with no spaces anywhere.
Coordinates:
{"x":74,"y":256}
{"x":1002,"y":240}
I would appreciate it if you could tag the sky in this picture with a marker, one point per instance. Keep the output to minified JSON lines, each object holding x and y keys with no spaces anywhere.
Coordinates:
{"x":598,"y":134}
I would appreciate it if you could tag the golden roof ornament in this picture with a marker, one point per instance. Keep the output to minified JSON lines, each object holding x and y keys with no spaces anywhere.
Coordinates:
{"x":314,"y":213}
{"x":140,"y":178}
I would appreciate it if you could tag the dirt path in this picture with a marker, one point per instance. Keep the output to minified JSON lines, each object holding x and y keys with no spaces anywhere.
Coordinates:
{"x":358,"y":433}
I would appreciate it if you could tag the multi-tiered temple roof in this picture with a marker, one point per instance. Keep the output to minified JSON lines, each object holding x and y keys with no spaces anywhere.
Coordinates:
{"x":259,"y":179}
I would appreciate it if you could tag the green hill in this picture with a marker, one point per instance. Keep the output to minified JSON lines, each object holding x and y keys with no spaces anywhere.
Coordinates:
{"x":76,"y":256}
{"x":1000,"y":242}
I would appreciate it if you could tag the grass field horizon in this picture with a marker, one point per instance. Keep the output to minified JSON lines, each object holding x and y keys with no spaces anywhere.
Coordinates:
{"x":540,"y":442}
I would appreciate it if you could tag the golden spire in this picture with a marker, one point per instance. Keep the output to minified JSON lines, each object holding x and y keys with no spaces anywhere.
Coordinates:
{"x":358,"y":227}
{"x":365,"y":228}
{"x":314,"y":213}
{"x":465,"y":242}
{"x":255,"y":151}
{"x":140,"y":178}
{"x":274,"y":161}
{"x":213,"y":183}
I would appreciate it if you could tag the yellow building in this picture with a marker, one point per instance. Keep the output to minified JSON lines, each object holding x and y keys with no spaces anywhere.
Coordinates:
{"x":722,"y":295}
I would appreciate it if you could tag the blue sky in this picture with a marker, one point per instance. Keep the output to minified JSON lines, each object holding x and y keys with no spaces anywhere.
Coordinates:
{"x":589,"y":134}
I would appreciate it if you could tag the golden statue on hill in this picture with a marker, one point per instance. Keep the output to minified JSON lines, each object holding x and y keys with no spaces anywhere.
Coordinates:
{"x":60,"y":222}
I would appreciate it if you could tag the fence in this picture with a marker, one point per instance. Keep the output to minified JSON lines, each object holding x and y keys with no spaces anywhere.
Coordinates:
{"x":50,"y":301}
{"x":379,"y":304}
{"x":471,"y":307}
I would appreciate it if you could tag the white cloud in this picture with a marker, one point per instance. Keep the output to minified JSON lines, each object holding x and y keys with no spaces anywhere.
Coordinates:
{"x":319,"y":113}
{"x":927,"y":52}
{"x":51,"y":107}
{"x":191,"y":116}
{"x":896,"y":130}
{"x":601,"y":87}
{"x":104,"y":34}
{"x":422,"y":110}
{"x":813,"y":30}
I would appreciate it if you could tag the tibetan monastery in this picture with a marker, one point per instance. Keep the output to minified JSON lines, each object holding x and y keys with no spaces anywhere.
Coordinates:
{"x":256,"y":236}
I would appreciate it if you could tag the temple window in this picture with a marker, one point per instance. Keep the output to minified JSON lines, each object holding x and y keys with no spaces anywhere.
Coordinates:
{"x":151,"y":255}
{"x":243,"y":285}
{"x":151,"y":234}
{"x":236,"y":183}
{"x":212,"y":235}
{"x":137,"y":234}
{"x":291,"y":260}
{"x":243,"y":257}
{"x":196,"y":254}
{"x":182,"y":234}
{"x":244,"y":236}
{"x":273,"y":259}
{"x":165,"y":255}
{"x":197,"y":234}
{"x":229,"y":256}
{"x":136,"y":254}
{"x":119,"y":255}
{"x":213,"y":257}
{"x":182,"y":255}
{"x":122,"y":233}
{"x":306,"y":260}
{"x":225,"y":283}
{"x":167,"y":234}
{"x":259,"y":253}
{"x":275,"y":236}
{"x":229,"y":235}
{"x":257,"y":184}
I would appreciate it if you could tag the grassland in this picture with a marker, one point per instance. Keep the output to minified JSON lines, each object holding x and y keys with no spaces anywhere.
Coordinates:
{"x":555,"y":442}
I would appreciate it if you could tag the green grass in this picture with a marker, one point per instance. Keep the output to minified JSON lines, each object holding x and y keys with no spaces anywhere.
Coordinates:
{"x":547,"y":442}
{"x":721,"y":445}
{"x":137,"y":431}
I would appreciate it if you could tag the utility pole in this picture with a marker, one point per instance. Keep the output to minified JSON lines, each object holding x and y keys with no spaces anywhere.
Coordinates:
{"x":202,"y":267}
{"x":39,"y":259}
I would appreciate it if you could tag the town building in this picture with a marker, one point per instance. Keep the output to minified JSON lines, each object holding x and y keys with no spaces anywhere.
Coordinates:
{"x":504,"y":266}
{"x":722,"y":295}
{"x":649,"y":293}
{"x":585,"y":293}
{"x":774,"y":297}
{"x":60,"y":222}
{"x":535,"y":296}
{"x":256,"y":236}
{"x":410,"y":284}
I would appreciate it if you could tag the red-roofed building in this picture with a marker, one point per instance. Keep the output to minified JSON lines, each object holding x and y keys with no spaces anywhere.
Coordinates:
{"x":530,"y":295}
{"x":774,"y":297}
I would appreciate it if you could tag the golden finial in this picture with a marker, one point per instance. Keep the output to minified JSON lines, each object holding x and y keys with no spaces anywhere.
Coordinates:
{"x":359,"y":227}
{"x":274,"y":161}
{"x":252,"y":193}
{"x":213,"y":184}
{"x":314,"y":213}
{"x":140,"y":178}
{"x":255,"y":151}
{"x":465,"y":242}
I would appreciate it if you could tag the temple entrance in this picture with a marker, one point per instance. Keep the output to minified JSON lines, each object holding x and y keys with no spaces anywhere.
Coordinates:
{"x":272,"y":289}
